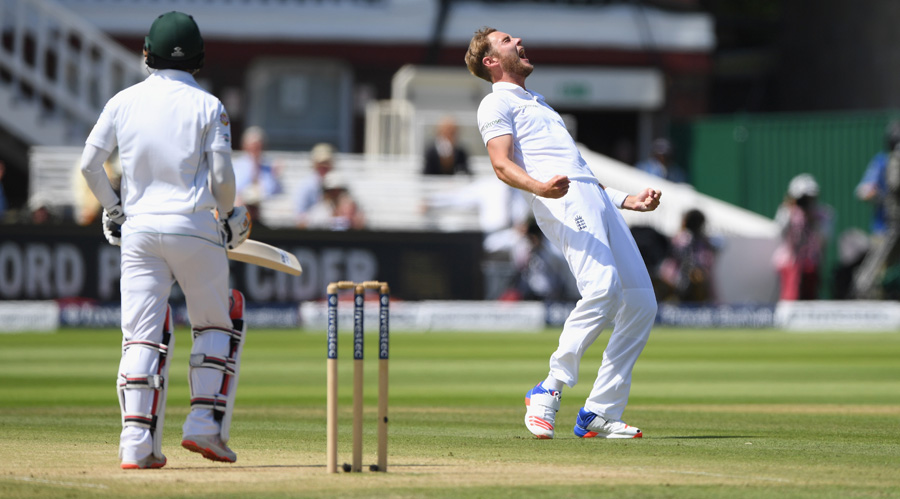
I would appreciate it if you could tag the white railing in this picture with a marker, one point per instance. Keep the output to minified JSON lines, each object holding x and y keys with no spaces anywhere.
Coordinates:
{"x":57,"y":71}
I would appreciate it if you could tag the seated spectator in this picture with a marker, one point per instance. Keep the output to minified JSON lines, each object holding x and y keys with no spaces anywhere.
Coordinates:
{"x":445,"y":156}
{"x":256,"y":178}
{"x":661,"y":164}
{"x":337,"y":210}
{"x":309,"y":192}
{"x":689,"y":269}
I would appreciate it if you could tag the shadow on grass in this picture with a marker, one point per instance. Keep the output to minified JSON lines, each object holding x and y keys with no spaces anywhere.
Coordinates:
{"x":700,"y":437}
{"x":288,"y":466}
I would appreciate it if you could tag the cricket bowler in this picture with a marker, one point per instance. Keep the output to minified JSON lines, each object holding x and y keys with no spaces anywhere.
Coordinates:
{"x":530,"y":149}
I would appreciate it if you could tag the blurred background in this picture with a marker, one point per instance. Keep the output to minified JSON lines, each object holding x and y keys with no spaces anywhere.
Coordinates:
{"x":357,"y":149}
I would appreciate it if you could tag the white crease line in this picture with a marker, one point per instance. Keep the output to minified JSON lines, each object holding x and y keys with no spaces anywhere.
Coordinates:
{"x":720,"y":475}
{"x":64,"y":484}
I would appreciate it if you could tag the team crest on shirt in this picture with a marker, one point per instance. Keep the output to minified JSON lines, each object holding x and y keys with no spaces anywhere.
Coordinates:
{"x":580,"y":223}
{"x":224,"y":119}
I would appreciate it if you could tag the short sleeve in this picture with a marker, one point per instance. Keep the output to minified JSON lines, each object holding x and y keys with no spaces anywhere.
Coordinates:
{"x":219,"y":137}
{"x":103,"y":135}
{"x":494,"y":118}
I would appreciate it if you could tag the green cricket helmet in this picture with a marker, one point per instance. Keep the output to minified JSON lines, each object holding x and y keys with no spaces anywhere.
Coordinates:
{"x":174,"y":42}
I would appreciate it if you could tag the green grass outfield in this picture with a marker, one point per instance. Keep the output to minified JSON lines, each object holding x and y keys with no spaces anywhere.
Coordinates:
{"x":725,"y":413}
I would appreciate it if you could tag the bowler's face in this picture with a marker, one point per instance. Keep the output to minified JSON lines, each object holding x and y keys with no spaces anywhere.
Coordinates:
{"x":511,"y":54}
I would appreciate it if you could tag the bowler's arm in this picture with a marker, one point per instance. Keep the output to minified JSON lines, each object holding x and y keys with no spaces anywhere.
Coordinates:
{"x":500,"y":150}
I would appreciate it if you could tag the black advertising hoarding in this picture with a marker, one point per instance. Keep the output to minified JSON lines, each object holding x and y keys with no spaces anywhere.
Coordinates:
{"x":51,"y":262}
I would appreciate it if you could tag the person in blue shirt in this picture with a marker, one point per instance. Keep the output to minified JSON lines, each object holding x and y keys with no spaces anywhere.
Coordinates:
{"x":660,"y":162}
{"x":876,"y":188}
{"x":873,"y":186}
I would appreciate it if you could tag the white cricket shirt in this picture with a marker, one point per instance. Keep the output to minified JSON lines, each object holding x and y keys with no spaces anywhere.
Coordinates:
{"x":543,"y":146}
{"x":164,"y":126}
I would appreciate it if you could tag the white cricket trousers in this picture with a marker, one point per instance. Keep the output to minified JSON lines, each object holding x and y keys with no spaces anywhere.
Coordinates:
{"x":157,"y":250}
{"x":615,"y":290}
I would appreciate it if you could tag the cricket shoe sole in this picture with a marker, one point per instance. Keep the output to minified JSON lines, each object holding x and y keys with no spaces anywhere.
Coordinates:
{"x":210,"y":447}
{"x":150,"y":462}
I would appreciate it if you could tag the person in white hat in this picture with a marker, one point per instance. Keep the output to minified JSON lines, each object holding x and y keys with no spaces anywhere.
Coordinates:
{"x":309,"y":192}
{"x":805,"y":228}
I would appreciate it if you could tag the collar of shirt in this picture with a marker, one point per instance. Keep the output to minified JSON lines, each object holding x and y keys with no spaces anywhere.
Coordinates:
{"x":512,"y":87}
{"x":174,"y":74}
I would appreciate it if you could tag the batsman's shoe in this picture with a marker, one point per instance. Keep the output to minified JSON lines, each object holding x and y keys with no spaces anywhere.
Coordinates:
{"x":147,"y":463}
{"x":540,"y":411}
{"x":210,"y":446}
{"x":590,"y":425}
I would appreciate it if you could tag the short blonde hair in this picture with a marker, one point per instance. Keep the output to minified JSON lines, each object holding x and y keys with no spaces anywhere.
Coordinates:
{"x":480,"y":47}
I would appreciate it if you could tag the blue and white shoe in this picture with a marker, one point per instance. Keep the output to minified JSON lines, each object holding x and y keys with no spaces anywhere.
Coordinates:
{"x":590,"y":425}
{"x":540,"y":413}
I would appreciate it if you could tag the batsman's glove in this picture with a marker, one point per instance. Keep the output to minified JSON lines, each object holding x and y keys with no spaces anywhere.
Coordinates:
{"x":116,"y":214}
{"x":111,"y":229}
{"x":235,"y":227}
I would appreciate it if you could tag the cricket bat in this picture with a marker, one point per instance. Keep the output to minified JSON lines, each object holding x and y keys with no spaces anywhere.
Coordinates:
{"x":265,"y":255}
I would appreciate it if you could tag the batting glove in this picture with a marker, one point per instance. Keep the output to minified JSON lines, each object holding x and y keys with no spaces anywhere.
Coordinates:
{"x":236,"y":227}
{"x":112,"y":230}
{"x":116,"y":214}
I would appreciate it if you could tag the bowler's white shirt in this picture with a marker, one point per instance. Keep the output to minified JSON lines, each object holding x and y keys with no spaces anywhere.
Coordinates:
{"x":543,"y":146}
{"x":163,"y":127}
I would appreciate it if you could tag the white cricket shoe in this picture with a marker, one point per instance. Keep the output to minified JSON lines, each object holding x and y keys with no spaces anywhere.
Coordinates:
{"x":540,"y":414}
{"x":210,"y":446}
{"x":590,"y":425}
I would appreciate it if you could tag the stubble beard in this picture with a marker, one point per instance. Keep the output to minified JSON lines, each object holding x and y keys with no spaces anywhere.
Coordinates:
{"x":514,"y":66}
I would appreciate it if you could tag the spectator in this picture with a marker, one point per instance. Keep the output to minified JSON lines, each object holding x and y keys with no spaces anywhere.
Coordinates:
{"x":40,"y":211}
{"x":309,"y":192}
{"x":660,"y":162}
{"x":445,"y":156}
{"x":881,"y":185}
{"x":337,"y":210}
{"x":543,"y":271}
{"x":256,"y":177}
{"x":689,"y":268}
{"x":805,"y":228}
{"x":872,"y":187}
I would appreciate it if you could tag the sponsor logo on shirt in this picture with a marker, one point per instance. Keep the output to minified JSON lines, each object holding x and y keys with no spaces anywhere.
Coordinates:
{"x":524,"y":106}
{"x":490,"y":124}
{"x":224,"y":119}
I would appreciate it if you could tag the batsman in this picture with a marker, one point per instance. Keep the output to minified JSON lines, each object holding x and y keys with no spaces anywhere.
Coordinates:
{"x":174,"y":142}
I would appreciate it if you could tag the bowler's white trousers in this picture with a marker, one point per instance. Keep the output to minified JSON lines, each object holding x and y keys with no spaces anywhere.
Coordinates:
{"x":615,"y":290}
{"x":157,"y":250}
